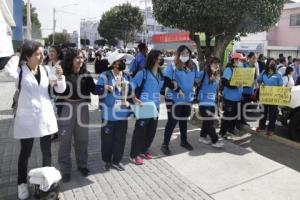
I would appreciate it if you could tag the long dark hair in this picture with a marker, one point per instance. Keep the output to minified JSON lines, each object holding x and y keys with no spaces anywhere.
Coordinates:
{"x":27,"y":50}
{"x":288,"y":71}
{"x":270,"y":66}
{"x":212,"y":76}
{"x":68,"y":61}
{"x":180,"y":49}
{"x":58,"y":51}
{"x":152,"y":58}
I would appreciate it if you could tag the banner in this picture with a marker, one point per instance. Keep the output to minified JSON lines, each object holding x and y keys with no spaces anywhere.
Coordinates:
{"x":243,"y":76}
{"x":275,"y":95}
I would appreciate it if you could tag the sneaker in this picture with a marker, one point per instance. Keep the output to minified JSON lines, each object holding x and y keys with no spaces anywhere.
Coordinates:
{"x":107,"y":166}
{"x":66,"y":178}
{"x":218,"y":144}
{"x":204,"y":140}
{"x":138,"y":160}
{"x":147,"y":155}
{"x":165,"y":149}
{"x":23,"y":192}
{"x":186,"y":145}
{"x":84,"y":171}
{"x":227,"y":136}
{"x":119,"y":166}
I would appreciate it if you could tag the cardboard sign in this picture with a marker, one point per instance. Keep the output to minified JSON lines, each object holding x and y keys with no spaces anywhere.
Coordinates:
{"x":243,"y":76}
{"x":275,"y":95}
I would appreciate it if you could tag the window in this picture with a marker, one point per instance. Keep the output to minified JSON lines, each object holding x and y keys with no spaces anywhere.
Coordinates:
{"x":295,"y":20}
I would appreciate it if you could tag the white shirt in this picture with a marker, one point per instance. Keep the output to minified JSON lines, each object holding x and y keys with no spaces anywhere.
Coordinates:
{"x":281,"y":69}
{"x":35,"y":116}
{"x":288,"y":81}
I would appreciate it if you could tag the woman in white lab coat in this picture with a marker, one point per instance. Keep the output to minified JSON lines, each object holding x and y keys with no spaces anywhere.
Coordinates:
{"x":35,"y":116}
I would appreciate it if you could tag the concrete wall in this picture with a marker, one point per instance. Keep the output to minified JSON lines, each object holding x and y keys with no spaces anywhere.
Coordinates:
{"x":283,"y":34}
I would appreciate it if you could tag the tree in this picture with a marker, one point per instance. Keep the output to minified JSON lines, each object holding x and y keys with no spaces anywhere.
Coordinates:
{"x":221,"y":20}
{"x":59,"y":38}
{"x":121,"y":23}
{"x":35,"y":22}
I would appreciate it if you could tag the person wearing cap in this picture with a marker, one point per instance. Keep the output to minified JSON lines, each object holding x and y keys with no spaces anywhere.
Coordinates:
{"x":113,"y":87}
{"x":232,"y":96}
{"x":75,"y":114}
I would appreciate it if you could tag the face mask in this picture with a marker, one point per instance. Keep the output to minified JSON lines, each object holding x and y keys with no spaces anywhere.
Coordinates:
{"x":122,"y":66}
{"x":184,"y":59}
{"x":161,"y":62}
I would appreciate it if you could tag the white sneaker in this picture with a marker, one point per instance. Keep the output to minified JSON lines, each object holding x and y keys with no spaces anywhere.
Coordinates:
{"x":218,"y":144}
{"x":204,"y":140}
{"x":23,"y":192}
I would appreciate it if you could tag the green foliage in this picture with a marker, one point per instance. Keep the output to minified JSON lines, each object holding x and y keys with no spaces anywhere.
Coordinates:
{"x":60,"y":38}
{"x":223,"y":20}
{"x":120,"y":23}
{"x":35,"y":22}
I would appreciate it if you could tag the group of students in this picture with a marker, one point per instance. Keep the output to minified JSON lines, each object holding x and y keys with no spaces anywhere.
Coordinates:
{"x":72,"y":85}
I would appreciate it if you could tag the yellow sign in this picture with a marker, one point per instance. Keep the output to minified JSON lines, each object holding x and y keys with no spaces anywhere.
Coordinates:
{"x":243,"y":76}
{"x":275,"y":95}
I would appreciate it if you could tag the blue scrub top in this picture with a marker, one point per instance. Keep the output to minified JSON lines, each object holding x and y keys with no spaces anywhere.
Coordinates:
{"x":110,"y":111}
{"x":185,"y":80}
{"x":228,"y":93}
{"x":208,"y":92}
{"x":152,"y":86}
{"x":274,"y":79}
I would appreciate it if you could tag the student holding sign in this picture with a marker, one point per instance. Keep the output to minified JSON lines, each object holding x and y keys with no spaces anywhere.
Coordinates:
{"x":231,"y":96}
{"x":248,"y":90}
{"x":270,"y":77}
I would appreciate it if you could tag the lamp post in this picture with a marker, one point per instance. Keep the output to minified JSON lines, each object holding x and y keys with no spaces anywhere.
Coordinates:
{"x":54,"y":20}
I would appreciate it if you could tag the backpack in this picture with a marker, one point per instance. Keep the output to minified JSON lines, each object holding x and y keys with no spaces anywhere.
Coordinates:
{"x":133,"y":66}
{"x":51,"y":194}
{"x":198,"y":88}
{"x":138,"y":91}
{"x":17,"y":92}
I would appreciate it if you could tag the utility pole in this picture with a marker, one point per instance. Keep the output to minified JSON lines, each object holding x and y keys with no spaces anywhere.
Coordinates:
{"x":28,"y":20}
{"x":54,"y":24}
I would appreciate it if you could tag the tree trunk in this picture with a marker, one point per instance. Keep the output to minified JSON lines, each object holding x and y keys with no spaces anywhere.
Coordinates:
{"x":196,"y":39}
{"x":208,"y":48}
{"x":221,"y":45}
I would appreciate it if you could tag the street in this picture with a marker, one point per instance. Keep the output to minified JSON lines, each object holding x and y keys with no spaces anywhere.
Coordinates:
{"x":252,"y":167}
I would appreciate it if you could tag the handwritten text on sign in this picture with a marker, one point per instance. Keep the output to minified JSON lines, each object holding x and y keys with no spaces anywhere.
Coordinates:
{"x":243,"y":76}
{"x":275,"y":95}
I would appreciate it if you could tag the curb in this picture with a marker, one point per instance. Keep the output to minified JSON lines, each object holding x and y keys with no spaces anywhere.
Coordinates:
{"x":276,"y":138}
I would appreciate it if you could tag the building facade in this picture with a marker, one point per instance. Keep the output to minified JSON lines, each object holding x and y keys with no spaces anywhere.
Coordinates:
{"x":89,"y":31}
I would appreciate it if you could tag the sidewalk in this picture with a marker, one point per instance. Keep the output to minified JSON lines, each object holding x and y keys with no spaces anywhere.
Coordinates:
{"x":233,"y":173}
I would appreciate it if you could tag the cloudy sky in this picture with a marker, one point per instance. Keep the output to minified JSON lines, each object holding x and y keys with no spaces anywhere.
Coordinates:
{"x":68,"y":16}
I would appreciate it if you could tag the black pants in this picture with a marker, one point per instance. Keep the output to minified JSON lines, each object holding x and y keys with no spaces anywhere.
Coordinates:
{"x":246,"y":99}
{"x":113,"y":140}
{"x":270,"y":113}
{"x":26,"y":148}
{"x":143,"y":135}
{"x":208,"y":113}
{"x":177,"y":110}
{"x":229,"y":116}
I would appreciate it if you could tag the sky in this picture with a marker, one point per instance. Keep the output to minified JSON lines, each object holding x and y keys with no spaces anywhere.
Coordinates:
{"x":68,"y":16}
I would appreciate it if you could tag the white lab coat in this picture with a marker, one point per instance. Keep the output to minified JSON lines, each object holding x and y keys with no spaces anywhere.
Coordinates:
{"x":35,"y":115}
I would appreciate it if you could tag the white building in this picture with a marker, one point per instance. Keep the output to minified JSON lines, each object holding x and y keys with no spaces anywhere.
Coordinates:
{"x":152,"y":27}
{"x":254,"y":42}
{"x":89,"y":31}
